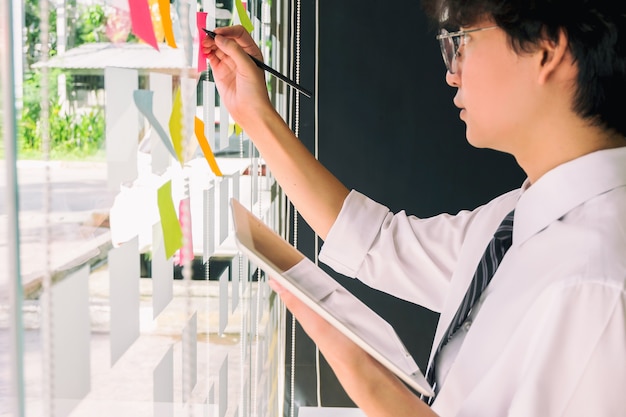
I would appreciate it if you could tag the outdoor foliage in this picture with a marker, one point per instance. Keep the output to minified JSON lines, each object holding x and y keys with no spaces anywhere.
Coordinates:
{"x":71,"y":134}
{"x":76,"y":134}
{"x":32,"y":29}
{"x":86,"y":24}
{"x":90,"y":26}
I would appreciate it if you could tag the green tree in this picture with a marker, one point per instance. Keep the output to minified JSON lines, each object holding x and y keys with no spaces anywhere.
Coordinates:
{"x":86,"y":24}
{"x":32,"y":26}
{"x":70,"y":134}
{"x":89,"y":27}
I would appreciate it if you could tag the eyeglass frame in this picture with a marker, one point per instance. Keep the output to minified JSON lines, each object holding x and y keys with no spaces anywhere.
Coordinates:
{"x":444,"y":36}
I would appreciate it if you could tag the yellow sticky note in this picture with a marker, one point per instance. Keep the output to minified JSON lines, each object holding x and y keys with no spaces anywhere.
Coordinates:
{"x":176,"y":125}
{"x":206,"y":148}
{"x":157,"y":21}
{"x":243,"y":16}
{"x":172,"y":232}
{"x":234,"y":129}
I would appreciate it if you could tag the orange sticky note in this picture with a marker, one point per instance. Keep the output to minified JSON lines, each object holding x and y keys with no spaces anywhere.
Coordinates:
{"x":166,"y":20}
{"x":172,"y":232}
{"x":141,"y":22}
{"x":206,"y":148}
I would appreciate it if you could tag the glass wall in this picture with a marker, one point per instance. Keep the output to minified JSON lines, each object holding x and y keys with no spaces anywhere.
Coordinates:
{"x":122,"y":291}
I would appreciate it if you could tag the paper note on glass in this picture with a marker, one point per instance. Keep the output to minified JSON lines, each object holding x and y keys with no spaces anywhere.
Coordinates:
{"x":206,"y":148}
{"x":243,"y":16}
{"x":200,"y":25}
{"x":142,"y":22}
{"x":176,"y":126}
{"x":172,"y":232}
{"x":166,"y":20}
{"x":143,"y":101}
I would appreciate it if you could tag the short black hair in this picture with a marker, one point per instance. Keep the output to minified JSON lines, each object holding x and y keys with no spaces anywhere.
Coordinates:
{"x":596,"y":32}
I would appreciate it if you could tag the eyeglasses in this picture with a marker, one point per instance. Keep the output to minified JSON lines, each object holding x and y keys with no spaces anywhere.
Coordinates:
{"x":450,"y":44}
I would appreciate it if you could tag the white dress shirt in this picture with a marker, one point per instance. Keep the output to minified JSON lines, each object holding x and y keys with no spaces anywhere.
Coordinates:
{"x":549,"y":337}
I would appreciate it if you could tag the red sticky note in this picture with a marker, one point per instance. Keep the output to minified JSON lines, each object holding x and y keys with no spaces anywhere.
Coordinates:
{"x":141,"y":22}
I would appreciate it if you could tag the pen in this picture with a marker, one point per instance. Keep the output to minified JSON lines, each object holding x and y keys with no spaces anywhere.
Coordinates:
{"x":271,"y":70}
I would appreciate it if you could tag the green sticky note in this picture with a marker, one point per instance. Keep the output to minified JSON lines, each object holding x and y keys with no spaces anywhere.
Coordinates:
{"x":172,"y":232}
{"x":243,"y":16}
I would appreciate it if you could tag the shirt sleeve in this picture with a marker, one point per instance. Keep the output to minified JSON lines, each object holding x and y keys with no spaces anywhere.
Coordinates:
{"x":576,"y":366}
{"x":405,"y":256}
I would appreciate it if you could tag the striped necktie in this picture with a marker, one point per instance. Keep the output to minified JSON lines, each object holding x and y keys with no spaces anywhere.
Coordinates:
{"x":487,"y":266}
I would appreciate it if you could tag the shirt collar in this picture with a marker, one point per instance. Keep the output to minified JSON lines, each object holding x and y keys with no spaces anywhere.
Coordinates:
{"x":565,"y":187}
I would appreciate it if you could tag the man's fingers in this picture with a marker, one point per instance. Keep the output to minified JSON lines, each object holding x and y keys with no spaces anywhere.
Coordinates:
{"x":240,"y":35}
{"x":235,"y":31}
{"x":232,"y":49}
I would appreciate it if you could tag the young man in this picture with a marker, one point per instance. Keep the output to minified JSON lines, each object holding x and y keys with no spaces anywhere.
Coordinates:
{"x":542,"y":81}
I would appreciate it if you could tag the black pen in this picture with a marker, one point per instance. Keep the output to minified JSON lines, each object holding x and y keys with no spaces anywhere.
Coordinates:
{"x":271,"y":70}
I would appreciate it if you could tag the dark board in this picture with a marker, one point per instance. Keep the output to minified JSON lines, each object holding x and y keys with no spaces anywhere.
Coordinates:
{"x":388,"y":128}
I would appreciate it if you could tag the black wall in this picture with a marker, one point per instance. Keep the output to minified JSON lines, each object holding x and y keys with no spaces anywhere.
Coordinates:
{"x":388,"y":128}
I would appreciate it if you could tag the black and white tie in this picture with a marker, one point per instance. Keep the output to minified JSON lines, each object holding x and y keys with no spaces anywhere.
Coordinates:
{"x":498,"y":246}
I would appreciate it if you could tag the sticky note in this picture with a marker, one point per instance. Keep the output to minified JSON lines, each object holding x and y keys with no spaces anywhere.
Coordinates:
{"x":186,"y":251}
{"x":201,"y":24}
{"x":143,"y":101}
{"x":141,"y":22}
{"x":243,"y":16}
{"x":172,"y":232}
{"x":176,"y":125}
{"x":206,"y":148}
{"x":234,"y":129}
{"x":184,"y":9}
{"x":157,"y":23}
{"x":166,"y":20}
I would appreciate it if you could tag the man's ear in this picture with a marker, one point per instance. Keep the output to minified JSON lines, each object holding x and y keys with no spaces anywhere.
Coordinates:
{"x":553,"y":55}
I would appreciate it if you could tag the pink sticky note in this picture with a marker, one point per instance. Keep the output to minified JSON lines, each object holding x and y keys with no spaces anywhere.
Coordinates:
{"x":201,"y":24}
{"x":142,"y":22}
{"x":185,"y":254}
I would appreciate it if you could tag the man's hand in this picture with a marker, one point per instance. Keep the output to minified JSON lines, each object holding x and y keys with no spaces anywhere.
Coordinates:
{"x":375,"y":389}
{"x":240,"y":82}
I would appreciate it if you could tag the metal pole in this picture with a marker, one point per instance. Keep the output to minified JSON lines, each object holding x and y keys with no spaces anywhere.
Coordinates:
{"x":12,"y":207}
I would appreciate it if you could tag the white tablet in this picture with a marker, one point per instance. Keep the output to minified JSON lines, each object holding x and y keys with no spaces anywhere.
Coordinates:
{"x":294,"y":271}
